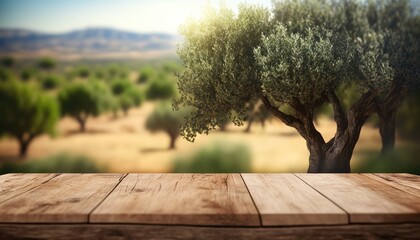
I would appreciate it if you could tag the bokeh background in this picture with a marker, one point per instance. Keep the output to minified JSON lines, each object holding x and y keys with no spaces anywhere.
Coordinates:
{"x":95,"y":80}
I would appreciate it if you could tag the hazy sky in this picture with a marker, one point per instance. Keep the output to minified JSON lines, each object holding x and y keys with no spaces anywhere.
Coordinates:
{"x":134,"y":15}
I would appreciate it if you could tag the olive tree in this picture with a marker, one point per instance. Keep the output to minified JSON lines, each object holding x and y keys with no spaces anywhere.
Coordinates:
{"x":165,"y":119}
{"x":231,"y":60}
{"x":82,"y":100}
{"x":26,"y":114}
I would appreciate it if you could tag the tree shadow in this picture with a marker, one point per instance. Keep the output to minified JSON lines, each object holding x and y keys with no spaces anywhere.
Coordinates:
{"x":152,"y":150}
{"x":88,"y":131}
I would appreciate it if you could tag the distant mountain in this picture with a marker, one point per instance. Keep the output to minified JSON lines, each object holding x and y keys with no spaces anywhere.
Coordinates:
{"x":87,"y":43}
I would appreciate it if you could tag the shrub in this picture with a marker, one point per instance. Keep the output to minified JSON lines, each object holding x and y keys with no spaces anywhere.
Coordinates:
{"x":26,"y":113}
{"x":6,"y":75}
{"x":146,"y":74}
{"x":216,"y":158}
{"x":26,"y":74}
{"x":8,"y":61}
{"x":46,"y":63}
{"x":60,"y":163}
{"x":403,"y":159}
{"x":83,"y":72}
{"x":51,"y":82}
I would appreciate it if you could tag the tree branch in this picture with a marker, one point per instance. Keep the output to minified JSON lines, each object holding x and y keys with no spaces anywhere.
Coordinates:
{"x":289,"y":120}
{"x":339,"y":115}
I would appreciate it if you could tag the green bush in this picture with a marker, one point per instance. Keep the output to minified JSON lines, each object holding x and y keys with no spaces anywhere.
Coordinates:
{"x":83,"y":72}
{"x":51,"y":82}
{"x":6,"y":75}
{"x":8,"y":61}
{"x":403,"y":159}
{"x":216,"y":158}
{"x":146,"y":74}
{"x":408,"y":118}
{"x":161,"y":88}
{"x":26,"y":74}
{"x":60,"y":163}
{"x":46,"y":63}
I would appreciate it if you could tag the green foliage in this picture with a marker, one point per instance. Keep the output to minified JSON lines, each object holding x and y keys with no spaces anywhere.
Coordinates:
{"x":27,"y":73}
{"x":26,"y":113}
{"x":216,"y":158}
{"x":51,"y":82}
{"x":220,"y":75}
{"x":146,"y":74}
{"x":60,"y":163}
{"x":46,"y":63}
{"x":82,"y":100}
{"x":408,"y":118}
{"x":161,"y":87}
{"x":402,"y":160}
{"x":83,"y":72}
{"x":6,"y":75}
{"x":7,"y":61}
{"x":127,"y":94}
{"x":165,"y":119}
{"x":301,"y":66}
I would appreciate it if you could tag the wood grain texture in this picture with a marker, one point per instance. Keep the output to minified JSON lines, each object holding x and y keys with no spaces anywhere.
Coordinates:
{"x":65,"y":198}
{"x":410,"y":182}
{"x":365,"y":199}
{"x":284,"y":199}
{"x":145,"y":232}
{"x":184,"y":199}
{"x":14,"y":184}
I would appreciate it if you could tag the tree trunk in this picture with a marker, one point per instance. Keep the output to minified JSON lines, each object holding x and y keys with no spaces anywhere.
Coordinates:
{"x":23,"y":146}
{"x":331,"y":160}
{"x":248,"y":128}
{"x":387,"y":130}
{"x":82,"y":123}
{"x":172,"y":142}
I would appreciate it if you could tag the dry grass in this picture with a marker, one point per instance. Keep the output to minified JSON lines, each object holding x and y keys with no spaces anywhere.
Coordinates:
{"x":124,"y":145}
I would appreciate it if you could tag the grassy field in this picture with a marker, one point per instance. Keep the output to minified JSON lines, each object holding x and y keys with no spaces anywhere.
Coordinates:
{"x":124,"y":145}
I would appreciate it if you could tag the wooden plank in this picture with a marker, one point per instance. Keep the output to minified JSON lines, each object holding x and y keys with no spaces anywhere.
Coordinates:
{"x":145,"y":232}
{"x":185,"y":199}
{"x":12,"y":185}
{"x":284,"y":199}
{"x":396,"y":181}
{"x":66,"y":198}
{"x":405,"y":179}
{"x":365,"y":199}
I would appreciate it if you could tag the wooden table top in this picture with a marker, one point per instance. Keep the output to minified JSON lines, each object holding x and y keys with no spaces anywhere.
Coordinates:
{"x":210,"y":199}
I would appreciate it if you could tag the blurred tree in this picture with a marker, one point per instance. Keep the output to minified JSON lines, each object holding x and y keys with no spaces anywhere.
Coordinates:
{"x":26,"y":113}
{"x":51,"y":82}
{"x":257,"y":113}
{"x":298,"y":62}
{"x":6,"y":75}
{"x":83,"y":72}
{"x":146,"y":74}
{"x":7,"y":61}
{"x":161,"y":87}
{"x":80,"y":101}
{"x":165,"y":119}
{"x":400,"y":28}
{"x":26,"y":74}
{"x":127,"y":95}
{"x":46,"y":63}
{"x":216,"y":158}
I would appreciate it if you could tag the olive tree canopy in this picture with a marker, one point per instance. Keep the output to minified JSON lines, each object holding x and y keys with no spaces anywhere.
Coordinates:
{"x":232,"y":59}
